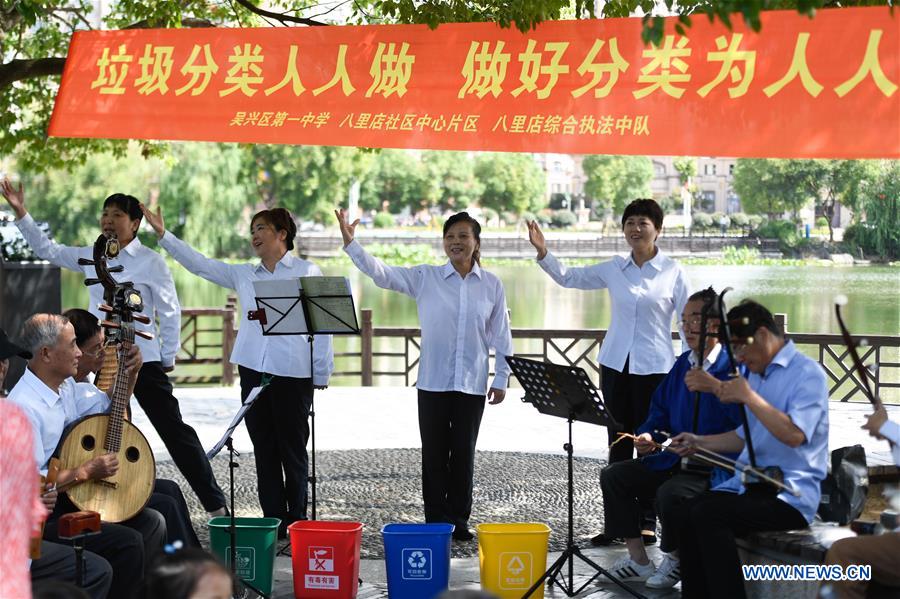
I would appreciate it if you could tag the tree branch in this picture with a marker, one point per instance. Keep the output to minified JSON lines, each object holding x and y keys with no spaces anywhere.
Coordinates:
{"x":19,"y":69}
{"x":277,"y":16}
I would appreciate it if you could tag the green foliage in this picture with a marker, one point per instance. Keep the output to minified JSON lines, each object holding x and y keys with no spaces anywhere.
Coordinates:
{"x":701,"y":221}
{"x":733,"y":255}
{"x":686,"y":167}
{"x":451,"y":182}
{"x":821,"y":222}
{"x":743,"y":256}
{"x":402,"y":254}
{"x":307,"y":180}
{"x":739,"y":219}
{"x":562,"y":219}
{"x":383,"y":220}
{"x":783,"y":230}
{"x":512,"y":182}
{"x":397,"y":180}
{"x":879,"y":232}
{"x":614,"y":181}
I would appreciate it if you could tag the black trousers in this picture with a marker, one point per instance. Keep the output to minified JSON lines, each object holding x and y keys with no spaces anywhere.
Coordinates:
{"x":123,"y":546}
{"x":448,"y":425}
{"x":57,"y":562}
{"x":278,"y":424}
{"x":168,"y":500}
{"x":710,"y":522}
{"x":629,"y":486}
{"x":628,"y":398}
{"x":154,"y":394}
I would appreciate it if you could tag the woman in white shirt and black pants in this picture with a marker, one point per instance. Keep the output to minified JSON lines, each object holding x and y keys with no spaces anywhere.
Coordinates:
{"x":278,"y":422}
{"x":648,"y":291}
{"x":462,"y":313}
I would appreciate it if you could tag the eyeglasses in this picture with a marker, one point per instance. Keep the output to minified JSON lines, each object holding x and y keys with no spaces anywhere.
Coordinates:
{"x":691,"y":322}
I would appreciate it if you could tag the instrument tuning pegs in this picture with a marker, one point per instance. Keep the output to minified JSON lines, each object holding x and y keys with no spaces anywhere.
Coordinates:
{"x":90,"y":282}
{"x":110,"y":325}
{"x":105,"y":308}
{"x":141,"y":318}
{"x":118,"y":268}
{"x":85,"y":262}
{"x":143,"y":334}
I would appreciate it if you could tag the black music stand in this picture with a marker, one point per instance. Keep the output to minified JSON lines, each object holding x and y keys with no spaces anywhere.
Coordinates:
{"x":565,"y":392}
{"x":226,"y":441}
{"x":306,"y":306}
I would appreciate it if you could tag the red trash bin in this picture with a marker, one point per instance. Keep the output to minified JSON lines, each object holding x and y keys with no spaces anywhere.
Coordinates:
{"x":325,"y":558}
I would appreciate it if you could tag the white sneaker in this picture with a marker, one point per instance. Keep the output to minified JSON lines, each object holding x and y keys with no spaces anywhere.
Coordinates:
{"x":628,"y":570}
{"x":667,"y":575}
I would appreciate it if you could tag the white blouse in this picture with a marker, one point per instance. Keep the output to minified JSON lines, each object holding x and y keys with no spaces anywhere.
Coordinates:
{"x":645,"y":302}
{"x":461,"y":319}
{"x":282,"y":355}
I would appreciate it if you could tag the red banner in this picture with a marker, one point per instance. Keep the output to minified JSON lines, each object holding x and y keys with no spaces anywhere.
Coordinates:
{"x":805,"y":88}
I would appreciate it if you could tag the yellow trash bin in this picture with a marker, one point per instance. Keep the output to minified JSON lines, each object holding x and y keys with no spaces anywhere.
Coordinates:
{"x":512,"y":557}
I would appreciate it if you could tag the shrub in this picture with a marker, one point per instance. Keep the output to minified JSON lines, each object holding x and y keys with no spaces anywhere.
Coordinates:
{"x":755,"y":220}
{"x":562,"y":219}
{"x":487,"y":215}
{"x":701,"y":221}
{"x":821,"y":223}
{"x":383,"y":220}
{"x":511,"y":218}
{"x":739,"y":219}
{"x":784,"y":231}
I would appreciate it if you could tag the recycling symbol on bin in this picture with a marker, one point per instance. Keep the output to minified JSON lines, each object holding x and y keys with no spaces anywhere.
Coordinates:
{"x":416,"y":559}
{"x":515,"y":565}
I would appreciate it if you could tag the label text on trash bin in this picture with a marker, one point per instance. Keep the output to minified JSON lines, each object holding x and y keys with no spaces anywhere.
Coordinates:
{"x":416,"y":564}
{"x":245,"y":562}
{"x":515,"y":570}
{"x":318,"y":581}
{"x":321,"y":559}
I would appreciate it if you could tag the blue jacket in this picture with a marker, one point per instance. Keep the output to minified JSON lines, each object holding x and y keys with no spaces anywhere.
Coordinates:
{"x":672,"y":410}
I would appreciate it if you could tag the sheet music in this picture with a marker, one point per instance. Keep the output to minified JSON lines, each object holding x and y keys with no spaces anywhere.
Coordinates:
{"x":281,"y":300}
{"x":254,"y":393}
{"x":330,"y":314}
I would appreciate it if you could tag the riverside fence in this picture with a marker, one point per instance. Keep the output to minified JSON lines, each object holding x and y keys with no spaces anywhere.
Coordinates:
{"x":390,"y":355}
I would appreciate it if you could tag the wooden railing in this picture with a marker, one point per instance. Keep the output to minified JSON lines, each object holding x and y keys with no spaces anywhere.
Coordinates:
{"x":391,"y":354}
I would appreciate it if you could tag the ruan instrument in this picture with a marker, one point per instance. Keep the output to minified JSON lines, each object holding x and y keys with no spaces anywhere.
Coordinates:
{"x":124,"y":494}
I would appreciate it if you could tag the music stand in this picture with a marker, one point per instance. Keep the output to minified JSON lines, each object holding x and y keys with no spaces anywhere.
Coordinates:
{"x":565,"y":392}
{"x":306,"y":306}
{"x":226,"y":441}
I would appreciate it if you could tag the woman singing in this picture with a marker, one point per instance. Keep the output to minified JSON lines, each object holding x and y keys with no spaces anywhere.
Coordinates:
{"x":462,"y":313}
{"x":648,"y":290}
{"x":278,"y":421}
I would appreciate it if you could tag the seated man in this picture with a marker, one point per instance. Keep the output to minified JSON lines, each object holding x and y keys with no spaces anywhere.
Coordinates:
{"x":167,"y":498}
{"x":52,"y":399}
{"x":785,"y":398}
{"x":881,"y":552}
{"x":56,"y":562}
{"x":626,"y":485}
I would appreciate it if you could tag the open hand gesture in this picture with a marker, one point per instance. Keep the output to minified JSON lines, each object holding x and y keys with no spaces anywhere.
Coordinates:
{"x":155,"y":219}
{"x":14,"y":197}
{"x":348,"y":230}
{"x":536,"y":237}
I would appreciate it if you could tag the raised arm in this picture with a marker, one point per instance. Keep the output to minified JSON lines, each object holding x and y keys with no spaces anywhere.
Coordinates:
{"x":216,"y":271}
{"x":585,"y":277}
{"x":396,"y":278}
{"x":60,"y":255}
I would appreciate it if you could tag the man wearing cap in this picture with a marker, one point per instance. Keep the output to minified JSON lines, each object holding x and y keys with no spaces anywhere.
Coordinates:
{"x":8,"y":349}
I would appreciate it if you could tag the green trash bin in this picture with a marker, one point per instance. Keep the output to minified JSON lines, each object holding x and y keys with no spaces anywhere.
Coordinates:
{"x":254,"y":548}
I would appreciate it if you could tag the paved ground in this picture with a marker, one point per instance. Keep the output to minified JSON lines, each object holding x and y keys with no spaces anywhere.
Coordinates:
{"x":368,"y":468}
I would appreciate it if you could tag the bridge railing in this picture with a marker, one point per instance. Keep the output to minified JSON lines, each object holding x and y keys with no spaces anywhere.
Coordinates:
{"x":390,"y":355}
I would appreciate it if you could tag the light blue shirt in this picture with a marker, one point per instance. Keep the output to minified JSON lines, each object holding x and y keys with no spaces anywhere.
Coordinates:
{"x":794,"y":384}
{"x":143,"y":267}
{"x":50,"y":412}
{"x":282,"y":355}
{"x":461,"y":319}
{"x":646,"y":300}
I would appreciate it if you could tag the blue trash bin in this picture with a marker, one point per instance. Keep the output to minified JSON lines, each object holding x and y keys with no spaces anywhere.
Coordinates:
{"x":417,"y":559}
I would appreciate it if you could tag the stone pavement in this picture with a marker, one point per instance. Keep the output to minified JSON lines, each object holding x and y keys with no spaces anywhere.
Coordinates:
{"x":368,"y":468}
